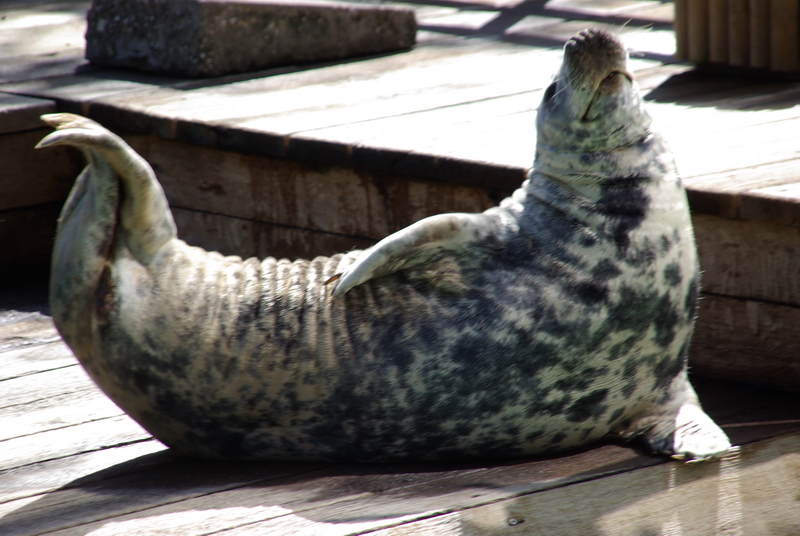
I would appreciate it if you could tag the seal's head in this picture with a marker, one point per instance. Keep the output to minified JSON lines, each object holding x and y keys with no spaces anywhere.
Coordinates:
{"x":593,"y":103}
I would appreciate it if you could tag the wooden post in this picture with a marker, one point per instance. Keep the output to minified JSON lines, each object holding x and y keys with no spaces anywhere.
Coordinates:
{"x":682,"y":29}
{"x":759,"y":34}
{"x":739,"y":32}
{"x":718,"y":30}
{"x":785,"y":35}
{"x":698,"y":31}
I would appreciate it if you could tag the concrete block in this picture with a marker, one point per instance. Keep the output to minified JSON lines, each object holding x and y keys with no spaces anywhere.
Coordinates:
{"x":204,"y":38}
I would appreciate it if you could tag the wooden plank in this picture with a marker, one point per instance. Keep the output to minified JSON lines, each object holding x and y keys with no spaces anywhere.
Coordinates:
{"x":368,"y":495}
{"x":303,"y":196}
{"x":752,"y":491}
{"x":249,"y":238}
{"x":778,"y":203}
{"x":18,"y":113}
{"x":759,"y":34}
{"x":429,"y":83}
{"x":697,"y":17}
{"x":723,"y":151}
{"x":43,"y":385}
{"x":739,"y":32}
{"x":19,"y":329}
{"x":682,"y":36}
{"x":32,"y":177}
{"x":718,"y":29}
{"x":33,"y":480}
{"x":64,"y":410}
{"x":62,"y":442}
{"x":747,"y":340}
{"x":43,"y":39}
{"x":31,"y":359}
{"x":785,"y":35}
{"x":26,"y":234}
{"x":749,"y":259}
{"x":744,"y":180}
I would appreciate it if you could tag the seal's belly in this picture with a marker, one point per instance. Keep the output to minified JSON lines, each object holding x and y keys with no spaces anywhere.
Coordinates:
{"x":515,"y":361}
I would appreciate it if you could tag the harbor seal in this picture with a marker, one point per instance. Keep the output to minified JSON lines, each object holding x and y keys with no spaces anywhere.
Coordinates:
{"x":555,"y":319}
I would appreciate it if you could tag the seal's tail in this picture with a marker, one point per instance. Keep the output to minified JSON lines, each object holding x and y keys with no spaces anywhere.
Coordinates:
{"x":142,"y":211}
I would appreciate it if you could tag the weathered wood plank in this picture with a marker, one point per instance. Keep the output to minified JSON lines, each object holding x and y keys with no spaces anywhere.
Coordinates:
{"x":162,"y":479}
{"x":749,"y":259}
{"x":318,"y":198}
{"x":42,"y":477}
{"x":43,"y":385}
{"x":62,"y":442}
{"x":19,"y":329}
{"x":70,"y":408}
{"x":29,"y":176}
{"x":248,"y":238}
{"x":747,"y":340}
{"x":35,"y":358}
{"x":18,"y":113}
{"x":750,"y":492}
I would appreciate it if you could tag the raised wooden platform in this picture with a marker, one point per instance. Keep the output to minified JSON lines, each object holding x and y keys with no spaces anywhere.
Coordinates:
{"x":305,"y":161}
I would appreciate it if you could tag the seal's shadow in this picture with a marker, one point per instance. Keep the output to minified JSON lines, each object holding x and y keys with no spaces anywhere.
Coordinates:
{"x":727,"y":91}
{"x":166,"y":491}
{"x":142,"y":493}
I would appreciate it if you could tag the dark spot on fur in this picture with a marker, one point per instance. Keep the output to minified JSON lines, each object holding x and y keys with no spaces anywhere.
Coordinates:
{"x":587,"y":406}
{"x":605,"y":270}
{"x":666,"y":322}
{"x":533,"y":436}
{"x":628,"y":389}
{"x":672,"y":274}
{"x":622,"y":348}
{"x":589,"y":293}
{"x":692,"y":295}
{"x":630,"y":368}
{"x":558,"y":438}
{"x":625,"y":204}
{"x":665,"y":371}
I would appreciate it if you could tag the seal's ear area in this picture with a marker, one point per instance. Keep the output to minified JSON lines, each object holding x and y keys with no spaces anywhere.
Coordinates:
{"x":409,"y":247}
{"x":75,"y":130}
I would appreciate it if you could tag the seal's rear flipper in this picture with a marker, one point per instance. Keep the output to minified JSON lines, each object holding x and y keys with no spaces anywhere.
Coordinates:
{"x":146,"y":222}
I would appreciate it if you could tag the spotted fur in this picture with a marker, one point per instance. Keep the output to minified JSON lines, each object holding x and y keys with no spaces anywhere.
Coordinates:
{"x":558,"y":318}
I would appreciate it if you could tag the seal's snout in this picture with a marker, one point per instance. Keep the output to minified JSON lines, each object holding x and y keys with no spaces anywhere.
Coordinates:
{"x":593,"y":55}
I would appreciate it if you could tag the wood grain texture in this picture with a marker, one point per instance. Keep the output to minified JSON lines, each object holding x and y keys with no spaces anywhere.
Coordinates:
{"x":759,"y":34}
{"x":785,"y":35}
{"x":747,"y":340}
{"x":738,"y":16}
{"x":32,"y":177}
{"x":749,"y":259}
{"x":730,"y":497}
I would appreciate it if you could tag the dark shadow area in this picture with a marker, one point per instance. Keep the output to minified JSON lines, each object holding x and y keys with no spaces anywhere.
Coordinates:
{"x":727,"y":91}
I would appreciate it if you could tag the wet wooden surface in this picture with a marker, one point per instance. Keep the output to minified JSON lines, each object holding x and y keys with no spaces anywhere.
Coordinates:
{"x":447,"y":126}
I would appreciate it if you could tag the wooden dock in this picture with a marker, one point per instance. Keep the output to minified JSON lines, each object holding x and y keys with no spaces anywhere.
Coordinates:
{"x":315,"y":159}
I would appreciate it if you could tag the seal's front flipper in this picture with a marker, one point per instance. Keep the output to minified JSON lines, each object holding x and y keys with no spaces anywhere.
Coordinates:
{"x":691,"y":436}
{"x":697,"y":437}
{"x":413,"y":246}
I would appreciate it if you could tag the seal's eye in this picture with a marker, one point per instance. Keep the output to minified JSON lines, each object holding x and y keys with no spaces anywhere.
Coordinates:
{"x":550,"y":92}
